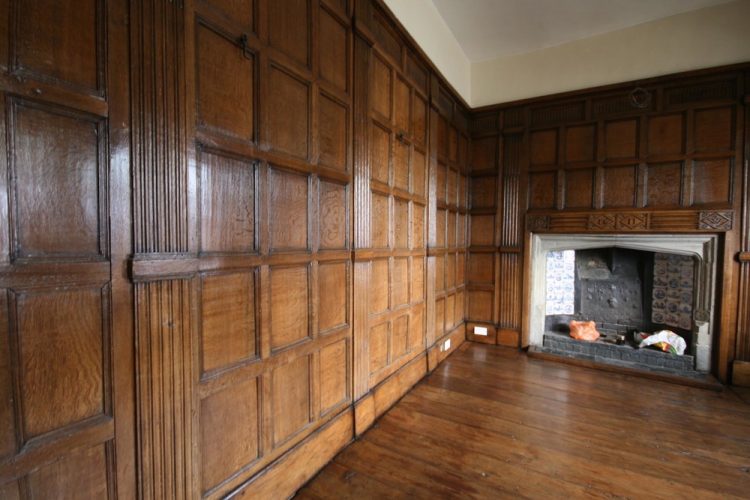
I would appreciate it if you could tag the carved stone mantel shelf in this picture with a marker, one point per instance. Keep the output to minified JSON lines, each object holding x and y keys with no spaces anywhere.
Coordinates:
{"x":606,"y":221}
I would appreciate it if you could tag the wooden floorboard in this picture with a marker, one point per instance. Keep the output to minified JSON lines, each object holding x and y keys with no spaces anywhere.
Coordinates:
{"x":492,"y":423}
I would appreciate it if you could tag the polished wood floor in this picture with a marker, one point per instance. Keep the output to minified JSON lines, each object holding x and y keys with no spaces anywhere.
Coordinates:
{"x":492,"y":423}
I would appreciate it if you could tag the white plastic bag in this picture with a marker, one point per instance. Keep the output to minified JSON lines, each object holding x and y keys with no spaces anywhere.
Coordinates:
{"x":667,"y":341}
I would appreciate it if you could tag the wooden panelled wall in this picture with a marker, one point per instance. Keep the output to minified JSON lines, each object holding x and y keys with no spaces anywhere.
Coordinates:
{"x":227,"y":256}
{"x":233,"y":233}
{"x":667,"y":155}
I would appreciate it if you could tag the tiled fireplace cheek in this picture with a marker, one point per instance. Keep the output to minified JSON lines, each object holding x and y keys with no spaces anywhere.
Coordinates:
{"x":703,"y":247}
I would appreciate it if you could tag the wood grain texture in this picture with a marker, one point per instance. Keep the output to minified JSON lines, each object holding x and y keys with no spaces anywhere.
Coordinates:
{"x":491,"y":422}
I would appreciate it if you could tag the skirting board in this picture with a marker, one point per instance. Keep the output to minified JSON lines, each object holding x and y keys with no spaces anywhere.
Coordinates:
{"x":741,"y":373}
{"x":292,"y":470}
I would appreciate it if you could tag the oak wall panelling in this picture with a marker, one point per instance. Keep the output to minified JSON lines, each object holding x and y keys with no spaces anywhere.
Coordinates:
{"x":660,"y":155}
{"x":66,"y":343}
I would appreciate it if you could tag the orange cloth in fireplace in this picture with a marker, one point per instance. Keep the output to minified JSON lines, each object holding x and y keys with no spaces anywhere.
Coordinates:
{"x":584,"y":330}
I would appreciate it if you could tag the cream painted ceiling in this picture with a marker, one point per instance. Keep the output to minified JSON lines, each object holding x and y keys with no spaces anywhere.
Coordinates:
{"x":488,"y":29}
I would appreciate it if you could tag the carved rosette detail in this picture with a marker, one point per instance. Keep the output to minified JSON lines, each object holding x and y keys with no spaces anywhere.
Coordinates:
{"x":719,"y":220}
{"x":537,"y":223}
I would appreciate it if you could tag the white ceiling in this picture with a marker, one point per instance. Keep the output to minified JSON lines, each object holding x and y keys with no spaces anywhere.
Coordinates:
{"x":488,"y":29}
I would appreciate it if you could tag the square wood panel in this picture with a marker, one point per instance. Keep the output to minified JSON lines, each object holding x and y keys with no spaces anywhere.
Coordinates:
{"x":225,"y":86}
{"x":81,"y":473}
{"x":334,"y":216}
{"x":542,"y":190}
{"x":416,"y":328}
{"x":60,"y":337}
{"x":450,"y":270}
{"x":483,"y":192}
{"x":417,"y":279}
{"x":580,"y":143}
{"x":400,"y":336}
{"x":290,"y":305}
{"x":227,"y":320}
{"x":712,"y":182}
{"x":621,"y":139}
{"x":333,"y":50}
{"x":379,"y":221}
{"x":619,"y":186}
{"x":334,"y":379}
{"x":417,"y":226}
{"x":381,"y":87}
{"x":379,"y":286}
{"x":289,"y":28}
{"x":227,"y":211}
{"x":333,"y":126}
{"x":403,"y":106}
{"x":439,"y":317}
{"x":401,"y":165}
{"x":62,"y":216}
{"x":289,"y":199}
{"x":242,"y":11}
{"x":400,"y":282}
{"x":450,"y":311}
{"x":380,"y":153}
{"x":440,"y":223}
{"x":579,"y":188}
{"x":484,"y":154}
{"x":378,"y":347}
{"x":333,"y":295}
{"x":713,"y":130}
{"x":544,"y":147}
{"x":290,"y":398}
{"x":62,"y":40}
{"x":419,"y":119}
{"x":664,"y":185}
{"x":480,"y":305}
{"x":400,"y":223}
{"x":439,"y":273}
{"x":418,"y":177}
{"x":482,"y":230}
{"x":666,"y":134}
{"x":229,"y":431}
{"x":288,"y":112}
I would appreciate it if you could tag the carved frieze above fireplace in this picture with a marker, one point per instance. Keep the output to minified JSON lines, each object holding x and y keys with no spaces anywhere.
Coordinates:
{"x":631,"y":221}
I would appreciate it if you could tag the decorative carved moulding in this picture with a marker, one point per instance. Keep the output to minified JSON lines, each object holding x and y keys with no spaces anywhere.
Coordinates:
{"x":716,"y":220}
{"x":631,"y":221}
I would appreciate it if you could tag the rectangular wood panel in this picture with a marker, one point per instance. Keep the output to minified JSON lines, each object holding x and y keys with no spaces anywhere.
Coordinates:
{"x":289,"y":210}
{"x":291,"y":398}
{"x":288,"y":112}
{"x":225,"y":85}
{"x":334,"y":375}
{"x":61,"y":335}
{"x":333,"y":295}
{"x":228,"y":331}
{"x":289,"y":28}
{"x":229,"y":431}
{"x":334,"y":63}
{"x":227,"y":211}
{"x":64,"y":215}
{"x":334,"y":216}
{"x":61,"y":40}
{"x":290,"y":305}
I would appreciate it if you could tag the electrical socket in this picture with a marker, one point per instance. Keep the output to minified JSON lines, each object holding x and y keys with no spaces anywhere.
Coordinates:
{"x":480,"y":330}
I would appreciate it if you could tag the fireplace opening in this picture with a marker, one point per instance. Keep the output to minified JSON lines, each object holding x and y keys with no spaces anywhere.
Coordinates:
{"x":631,"y":286}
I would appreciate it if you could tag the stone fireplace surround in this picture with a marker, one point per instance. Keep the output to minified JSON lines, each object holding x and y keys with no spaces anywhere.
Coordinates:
{"x":701,"y":246}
